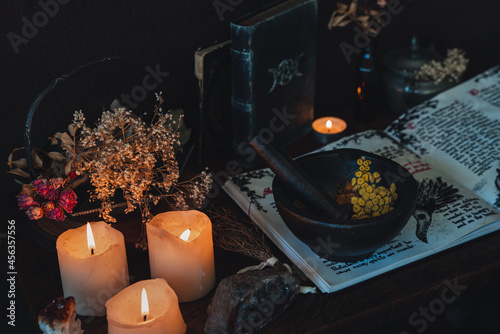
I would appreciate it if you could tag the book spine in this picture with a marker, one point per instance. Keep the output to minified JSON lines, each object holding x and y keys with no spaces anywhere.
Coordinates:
{"x":242,"y":89}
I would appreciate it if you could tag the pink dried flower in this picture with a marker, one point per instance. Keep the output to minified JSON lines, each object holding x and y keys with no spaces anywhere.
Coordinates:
{"x":24,"y":201}
{"x":48,"y":206}
{"x":48,"y":189}
{"x":34,"y":212}
{"x":67,"y":199}
{"x":56,"y":214}
{"x":52,"y":194}
{"x":42,"y":186}
{"x":72,"y":175}
{"x":56,"y":183}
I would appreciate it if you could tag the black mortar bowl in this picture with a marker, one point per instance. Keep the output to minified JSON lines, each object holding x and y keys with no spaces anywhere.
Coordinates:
{"x":346,"y":240}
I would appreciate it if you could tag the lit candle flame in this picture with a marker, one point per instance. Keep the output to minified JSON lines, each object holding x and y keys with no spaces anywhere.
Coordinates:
{"x":144,"y":305}
{"x":185,"y":235}
{"x":90,"y":239}
{"x":329,"y":125}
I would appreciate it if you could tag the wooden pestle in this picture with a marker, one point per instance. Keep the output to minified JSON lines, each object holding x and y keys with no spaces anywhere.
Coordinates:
{"x":310,"y":193}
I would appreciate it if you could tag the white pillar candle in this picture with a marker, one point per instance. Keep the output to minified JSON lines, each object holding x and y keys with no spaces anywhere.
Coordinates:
{"x":187,"y":265}
{"x":92,"y":274}
{"x":126,"y":315}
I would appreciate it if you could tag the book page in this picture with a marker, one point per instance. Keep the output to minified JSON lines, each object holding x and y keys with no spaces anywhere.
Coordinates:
{"x":446,"y":211}
{"x":446,"y":214}
{"x":459,"y":132}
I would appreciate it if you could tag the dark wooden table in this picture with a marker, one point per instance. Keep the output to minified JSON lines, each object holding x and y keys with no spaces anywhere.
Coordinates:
{"x":397,"y":294}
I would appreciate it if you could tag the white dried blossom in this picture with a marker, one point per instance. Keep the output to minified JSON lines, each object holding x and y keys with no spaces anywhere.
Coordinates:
{"x":124,"y":153}
{"x":451,"y":68}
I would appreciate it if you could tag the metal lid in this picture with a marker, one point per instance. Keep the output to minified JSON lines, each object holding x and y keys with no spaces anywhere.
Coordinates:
{"x":404,"y":62}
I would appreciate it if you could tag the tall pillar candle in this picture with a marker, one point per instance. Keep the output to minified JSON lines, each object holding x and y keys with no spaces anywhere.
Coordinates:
{"x":129,"y":313}
{"x":186,"y":262}
{"x":92,"y":273}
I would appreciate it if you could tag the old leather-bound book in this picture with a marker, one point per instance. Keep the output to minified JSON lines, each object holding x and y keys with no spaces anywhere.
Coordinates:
{"x":273,"y":56}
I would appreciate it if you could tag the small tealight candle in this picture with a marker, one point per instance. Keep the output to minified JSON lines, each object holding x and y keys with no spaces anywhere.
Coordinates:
{"x":181,"y":251}
{"x":146,"y":307}
{"x":328,"y":129}
{"x":93,"y":266}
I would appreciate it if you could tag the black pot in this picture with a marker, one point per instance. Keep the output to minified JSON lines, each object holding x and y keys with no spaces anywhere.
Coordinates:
{"x":346,"y":240}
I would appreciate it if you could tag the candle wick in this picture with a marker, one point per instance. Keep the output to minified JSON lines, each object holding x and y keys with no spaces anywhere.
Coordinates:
{"x":91,"y":251}
{"x":145,"y":317}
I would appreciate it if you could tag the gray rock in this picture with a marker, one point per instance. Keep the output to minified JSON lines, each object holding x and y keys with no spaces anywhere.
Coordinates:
{"x":245,"y":303}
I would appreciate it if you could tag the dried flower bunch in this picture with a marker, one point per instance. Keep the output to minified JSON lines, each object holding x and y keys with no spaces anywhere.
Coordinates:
{"x":365,"y":13}
{"x":51,"y":195}
{"x":236,"y":235}
{"x":451,"y":68}
{"x":367,"y":197}
{"x":122,"y":153}
{"x":49,"y":198}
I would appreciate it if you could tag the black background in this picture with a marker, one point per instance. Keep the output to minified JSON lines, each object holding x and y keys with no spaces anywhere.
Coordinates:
{"x":167,"y":33}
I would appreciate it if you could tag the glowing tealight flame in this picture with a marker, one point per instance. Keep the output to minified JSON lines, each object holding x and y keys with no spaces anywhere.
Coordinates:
{"x":185,"y":235}
{"x":329,"y":125}
{"x":144,"y":305}
{"x":90,"y":239}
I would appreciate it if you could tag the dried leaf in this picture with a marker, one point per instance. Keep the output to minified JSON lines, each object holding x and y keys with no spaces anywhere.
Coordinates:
{"x":335,"y":21}
{"x":37,"y":162}
{"x":343,"y":24}
{"x":79,"y":181}
{"x":58,"y":135}
{"x":67,"y":169}
{"x":353,"y":7}
{"x":53,"y":140}
{"x":341,"y":7}
{"x":67,"y":147}
{"x":372,"y":31}
{"x":20,"y":163}
{"x":363,"y":18}
{"x":28,"y":188}
{"x":9,"y":160}
{"x":11,"y":155}
{"x":56,"y":156}
{"x":72,"y":129}
{"x":66,"y":139}
{"x":19,"y":172}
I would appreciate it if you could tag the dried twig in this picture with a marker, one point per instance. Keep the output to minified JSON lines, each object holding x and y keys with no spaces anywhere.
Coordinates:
{"x":240,"y":236}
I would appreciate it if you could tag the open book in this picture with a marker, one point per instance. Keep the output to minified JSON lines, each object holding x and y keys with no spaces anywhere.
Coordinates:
{"x":450,"y":144}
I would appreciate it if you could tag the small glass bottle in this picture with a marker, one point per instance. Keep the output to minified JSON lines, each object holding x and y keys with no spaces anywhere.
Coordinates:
{"x":366,"y":87}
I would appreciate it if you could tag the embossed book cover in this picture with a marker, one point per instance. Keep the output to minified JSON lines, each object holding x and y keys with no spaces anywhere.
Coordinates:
{"x":273,"y":70}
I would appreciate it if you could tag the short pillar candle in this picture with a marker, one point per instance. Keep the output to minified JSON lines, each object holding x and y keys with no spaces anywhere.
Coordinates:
{"x":92,"y":273}
{"x":181,"y":251}
{"x":145,"y":307}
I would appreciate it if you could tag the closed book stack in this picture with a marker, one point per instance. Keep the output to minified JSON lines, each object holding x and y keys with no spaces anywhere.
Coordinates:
{"x":273,"y":56}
